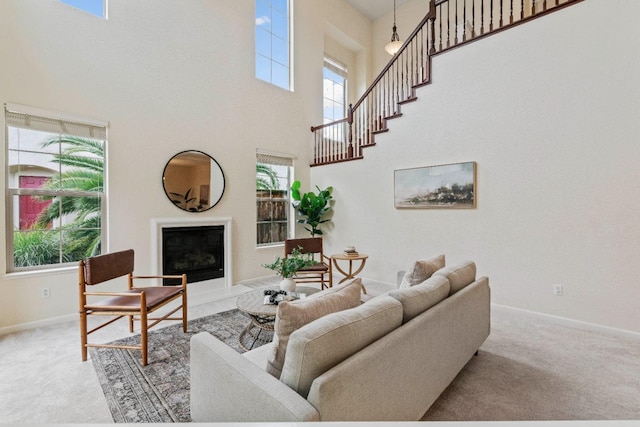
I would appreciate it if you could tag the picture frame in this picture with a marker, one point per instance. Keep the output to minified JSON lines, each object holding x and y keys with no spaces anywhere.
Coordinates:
{"x":448,"y":186}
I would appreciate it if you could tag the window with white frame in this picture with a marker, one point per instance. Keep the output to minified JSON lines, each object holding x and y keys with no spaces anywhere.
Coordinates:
{"x":94,"y":7}
{"x":273,"y":43}
{"x":273,"y":181}
{"x":334,"y":91}
{"x":55,"y":188}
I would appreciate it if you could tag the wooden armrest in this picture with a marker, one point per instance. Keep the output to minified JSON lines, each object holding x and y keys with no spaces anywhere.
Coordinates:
{"x":182,"y":277}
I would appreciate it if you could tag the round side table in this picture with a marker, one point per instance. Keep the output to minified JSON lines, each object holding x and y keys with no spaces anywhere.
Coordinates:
{"x":350,"y":274}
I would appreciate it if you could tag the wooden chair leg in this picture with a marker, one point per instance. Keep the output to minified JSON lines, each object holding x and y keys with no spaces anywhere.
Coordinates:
{"x":184,"y":314}
{"x":184,"y":303}
{"x":143,"y":336}
{"x":83,"y":335}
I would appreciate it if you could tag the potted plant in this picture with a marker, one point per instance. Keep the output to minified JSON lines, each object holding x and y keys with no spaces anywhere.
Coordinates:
{"x":287,"y":267}
{"x":183,"y":200}
{"x":312,"y":207}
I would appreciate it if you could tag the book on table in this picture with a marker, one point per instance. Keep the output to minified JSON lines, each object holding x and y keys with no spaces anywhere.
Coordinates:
{"x":278,"y":298}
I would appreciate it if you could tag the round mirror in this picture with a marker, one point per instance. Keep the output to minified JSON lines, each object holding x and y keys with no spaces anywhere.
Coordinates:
{"x":193,"y":181}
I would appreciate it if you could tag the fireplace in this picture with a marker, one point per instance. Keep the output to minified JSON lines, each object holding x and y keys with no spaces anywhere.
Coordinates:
{"x":196,"y":251}
{"x":198,"y":247}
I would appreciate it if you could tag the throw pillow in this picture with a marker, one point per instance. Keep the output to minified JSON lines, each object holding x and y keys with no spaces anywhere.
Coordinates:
{"x":319,"y":346}
{"x":459,"y":275}
{"x":292,"y":315}
{"x":418,"y":299}
{"x":421,"y":271}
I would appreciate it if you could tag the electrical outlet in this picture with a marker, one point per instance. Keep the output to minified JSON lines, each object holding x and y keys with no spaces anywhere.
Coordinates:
{"x":558,"y":290}
{"x":45,"y":292}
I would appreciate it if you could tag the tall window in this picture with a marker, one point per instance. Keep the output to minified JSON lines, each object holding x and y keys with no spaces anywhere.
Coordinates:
{"x":334,"y":91}
{"x":273,"y":181}
{"x":273,"y":42}
{"x":55,"y":203}
{"x":94,"y":7}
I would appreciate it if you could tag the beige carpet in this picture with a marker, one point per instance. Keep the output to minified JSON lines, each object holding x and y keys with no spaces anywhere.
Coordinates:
{"x":530,"y":368}
{"x":534,"y":368}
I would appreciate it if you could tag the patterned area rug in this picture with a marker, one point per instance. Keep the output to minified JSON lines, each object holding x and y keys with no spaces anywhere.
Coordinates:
{"x":158,"y":392}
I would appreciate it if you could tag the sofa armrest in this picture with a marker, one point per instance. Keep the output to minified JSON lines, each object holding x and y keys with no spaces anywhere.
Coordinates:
{"x":226,"y":387}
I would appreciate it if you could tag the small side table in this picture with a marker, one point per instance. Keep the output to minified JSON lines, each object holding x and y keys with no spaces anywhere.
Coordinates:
{"x":350,"y":274}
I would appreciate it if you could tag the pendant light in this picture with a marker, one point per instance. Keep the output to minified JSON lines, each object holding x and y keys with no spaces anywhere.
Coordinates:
{"x":395,"y":44}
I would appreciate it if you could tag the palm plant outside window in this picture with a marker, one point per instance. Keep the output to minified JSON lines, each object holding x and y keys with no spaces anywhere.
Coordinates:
{"x":55,"y":183}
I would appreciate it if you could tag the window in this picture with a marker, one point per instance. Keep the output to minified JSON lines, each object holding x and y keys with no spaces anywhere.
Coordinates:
{"x":55,"y":175}
{"x":272,"y":42}
{"x":334,"y":91}
{"x":94,"y":7}
{"x":273,"y":181}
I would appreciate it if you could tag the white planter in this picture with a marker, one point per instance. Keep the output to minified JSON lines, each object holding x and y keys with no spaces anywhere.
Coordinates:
{"x":288,"y":284}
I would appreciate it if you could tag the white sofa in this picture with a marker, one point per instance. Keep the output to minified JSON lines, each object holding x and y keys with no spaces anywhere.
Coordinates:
{"x":387,"y":359}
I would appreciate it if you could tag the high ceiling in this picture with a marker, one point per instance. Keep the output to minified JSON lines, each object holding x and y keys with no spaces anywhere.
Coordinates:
{"x":374,"y":9}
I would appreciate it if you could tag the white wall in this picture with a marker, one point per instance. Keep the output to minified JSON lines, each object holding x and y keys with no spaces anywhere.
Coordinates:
{"x":549,"y":111}
{"x":168,"y":76}
{"x":408,"y":16}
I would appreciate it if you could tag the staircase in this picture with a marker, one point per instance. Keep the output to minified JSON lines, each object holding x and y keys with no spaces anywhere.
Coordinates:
{"x":448,"y":24}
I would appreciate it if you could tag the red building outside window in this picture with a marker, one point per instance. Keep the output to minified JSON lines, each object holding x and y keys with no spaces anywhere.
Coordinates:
{"x":30,"y":207}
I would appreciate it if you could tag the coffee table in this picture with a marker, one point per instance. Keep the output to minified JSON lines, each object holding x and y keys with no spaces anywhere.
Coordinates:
{"x":263,"y":316}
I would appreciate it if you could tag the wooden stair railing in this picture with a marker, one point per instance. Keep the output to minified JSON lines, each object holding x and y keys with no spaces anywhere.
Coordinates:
{"x":447,"y":25}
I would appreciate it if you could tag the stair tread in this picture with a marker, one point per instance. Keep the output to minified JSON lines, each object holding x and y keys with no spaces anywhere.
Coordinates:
{"x":393,"y":116}
{"x":425,"y":83}
{"x":406,"y":101}
{"x":380,"y":131}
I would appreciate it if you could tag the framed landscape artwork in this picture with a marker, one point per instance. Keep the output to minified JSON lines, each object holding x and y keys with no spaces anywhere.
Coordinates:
{"x":450,"y":186}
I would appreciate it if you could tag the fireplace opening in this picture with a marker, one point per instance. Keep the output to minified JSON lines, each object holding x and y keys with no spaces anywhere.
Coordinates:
{"x":196,"y":251}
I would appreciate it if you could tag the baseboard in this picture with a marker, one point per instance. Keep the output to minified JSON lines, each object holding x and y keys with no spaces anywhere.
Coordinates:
{"x":211,"y":295}
{"x":195,"y":298}
{"x":572,"y":322}
{"x":52,"y":321}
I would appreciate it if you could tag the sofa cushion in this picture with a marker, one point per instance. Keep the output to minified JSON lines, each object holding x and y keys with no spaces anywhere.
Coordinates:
{"x":292,"y":315}
{"x":421,"y":271}
{"x":419,"y":298}
{"x":459,"y":275}
{"x":259,"y":355}
{"x":322,"y":344}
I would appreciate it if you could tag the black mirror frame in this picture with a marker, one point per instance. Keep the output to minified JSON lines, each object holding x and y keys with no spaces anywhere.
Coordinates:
{"x":177,"y":202}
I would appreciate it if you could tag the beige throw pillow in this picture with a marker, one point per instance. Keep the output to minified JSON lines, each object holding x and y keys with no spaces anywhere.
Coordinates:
{"x":421,"y":271}
{"x":319,"y":346}
{"x":294,"y":314}
{"x":459,"y":275}
{"x":418,"y":299}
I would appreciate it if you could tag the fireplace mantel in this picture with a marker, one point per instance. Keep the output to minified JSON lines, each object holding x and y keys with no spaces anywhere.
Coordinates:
{"x":157,"y":224}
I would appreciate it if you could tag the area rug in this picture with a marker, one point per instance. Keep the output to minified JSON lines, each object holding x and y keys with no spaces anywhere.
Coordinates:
{"x":158,"y":392}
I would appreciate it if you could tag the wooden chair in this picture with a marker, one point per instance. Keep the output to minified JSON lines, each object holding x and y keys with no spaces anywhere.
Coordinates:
{"x":135,"y":302}
{"x":318,"y":273}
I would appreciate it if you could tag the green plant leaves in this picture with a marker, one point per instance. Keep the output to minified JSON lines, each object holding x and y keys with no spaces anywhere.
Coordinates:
{"x":312,"y":207}
{"x":287,"y":267}
{"x":295,"y":190}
